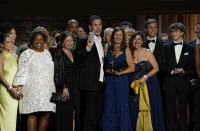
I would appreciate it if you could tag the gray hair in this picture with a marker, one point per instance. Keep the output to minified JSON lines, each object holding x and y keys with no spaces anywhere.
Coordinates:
{"x":107,"y":29}
{"x":131,"y":30}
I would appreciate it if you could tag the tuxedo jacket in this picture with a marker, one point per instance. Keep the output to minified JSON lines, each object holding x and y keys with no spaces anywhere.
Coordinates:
{"x":89,"y":64}
{"x":193,"y":43}
{"x":157,"y":51}
{"x":186,"y":61}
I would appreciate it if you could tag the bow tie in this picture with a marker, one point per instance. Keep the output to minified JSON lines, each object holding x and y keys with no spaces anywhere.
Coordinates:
{"x":180,"y":43}
{"x":153,"y":41}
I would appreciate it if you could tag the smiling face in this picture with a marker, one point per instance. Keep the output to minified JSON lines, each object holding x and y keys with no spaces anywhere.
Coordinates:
{"x":12,"y":34}
{"x":151,"y":30}
{"x":177,"y":35}
{"x":137,"y":42}
{"x":38,"y":42}
{"x":68,"y":43}
{"x":118,"y":37}
{"x":7,"y":44}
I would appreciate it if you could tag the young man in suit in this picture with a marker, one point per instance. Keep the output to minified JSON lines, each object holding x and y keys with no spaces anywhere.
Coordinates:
{"x":91,"y":58}
{"x":152,"y":41}
{"x":177,"y":66}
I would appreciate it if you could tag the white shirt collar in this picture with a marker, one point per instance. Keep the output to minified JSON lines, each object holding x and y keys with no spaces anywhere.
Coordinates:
{"x":178,"y":42}
{"x":152,"y":39}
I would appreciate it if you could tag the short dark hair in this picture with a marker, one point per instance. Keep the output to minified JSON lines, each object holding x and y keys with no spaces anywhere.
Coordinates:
{"x":3,"y":36}
{"x":149,"y":21}
{"x":198,"y":22}
{"x":179,"y":26}
{"x":93,"y":17}
{"x":64,"y":35}
{"x":53,"y":33}
{"x":32,"y":37}
{"x":6,"y":28}
{"x":126,"y":23}
{"x":163,"y":34}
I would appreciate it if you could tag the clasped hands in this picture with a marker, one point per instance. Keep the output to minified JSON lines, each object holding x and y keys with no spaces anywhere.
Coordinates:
{"x":113,"y":72}
{"x":177,"y":71}
{"x":16,"y":92}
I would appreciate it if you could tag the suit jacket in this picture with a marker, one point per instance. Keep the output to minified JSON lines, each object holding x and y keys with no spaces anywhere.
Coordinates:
{"x":89,"y":66}
{"x":186,"y":61}
{"x":158,"y":47}
{"x":193,"y":43}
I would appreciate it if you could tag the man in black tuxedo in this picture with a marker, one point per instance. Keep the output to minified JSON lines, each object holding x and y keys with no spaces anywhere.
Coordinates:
{"x":177,"y":66}
{"x":194,"y":99}
{"x":197,"y":31}
{"x":91,"y":57}
{"x":152,"y":41}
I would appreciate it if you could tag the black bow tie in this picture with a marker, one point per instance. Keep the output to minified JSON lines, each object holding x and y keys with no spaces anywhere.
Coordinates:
{"x":153,"y":41}
{"x":180,"y":43}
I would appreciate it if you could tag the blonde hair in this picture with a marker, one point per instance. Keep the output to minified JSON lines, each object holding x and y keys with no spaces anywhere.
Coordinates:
{"x":49,"y":40}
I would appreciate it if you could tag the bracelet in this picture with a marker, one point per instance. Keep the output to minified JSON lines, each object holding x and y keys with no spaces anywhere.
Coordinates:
{"x":10,"y":87}
{"x":145,"y":77}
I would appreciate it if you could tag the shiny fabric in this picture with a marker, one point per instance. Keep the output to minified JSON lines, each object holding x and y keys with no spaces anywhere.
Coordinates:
{"x":116,"y":116}
{"x":8,"y":104}
{"x":141,"y":69}
{"x":144,"y":116}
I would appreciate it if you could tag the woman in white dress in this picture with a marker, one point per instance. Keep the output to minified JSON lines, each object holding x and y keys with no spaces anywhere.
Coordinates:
{"x":35,"y":76}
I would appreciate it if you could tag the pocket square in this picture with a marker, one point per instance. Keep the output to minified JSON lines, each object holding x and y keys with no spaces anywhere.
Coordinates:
{"x":186,"y":53}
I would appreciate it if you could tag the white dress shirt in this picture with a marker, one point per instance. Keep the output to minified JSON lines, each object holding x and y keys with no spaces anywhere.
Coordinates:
{"x":197,"y":41}
{"x":152,"y":44}
{"x":97,"y":41}
{"x":178,"y":50}
{"x":101,"y":55}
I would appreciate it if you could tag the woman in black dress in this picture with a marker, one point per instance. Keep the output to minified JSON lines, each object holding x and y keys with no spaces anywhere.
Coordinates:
{"x":66,"y":80}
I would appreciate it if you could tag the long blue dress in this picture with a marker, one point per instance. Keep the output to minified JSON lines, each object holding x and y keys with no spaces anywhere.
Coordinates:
{"x":116,"y":116}
{"x":157,"y":119}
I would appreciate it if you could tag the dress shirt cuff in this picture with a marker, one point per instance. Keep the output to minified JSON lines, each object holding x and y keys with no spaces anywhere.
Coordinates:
{"x":88,"y":49}
{"x":172,"y":72}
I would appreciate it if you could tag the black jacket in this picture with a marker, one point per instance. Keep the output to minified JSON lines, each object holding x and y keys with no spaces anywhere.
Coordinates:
{"x":158,"y":47}
{"x":186,"y":61}
{"x":89,"y":66}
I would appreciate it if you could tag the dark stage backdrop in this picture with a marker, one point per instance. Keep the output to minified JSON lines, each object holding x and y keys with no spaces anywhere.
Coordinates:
{"x":25,"y":24}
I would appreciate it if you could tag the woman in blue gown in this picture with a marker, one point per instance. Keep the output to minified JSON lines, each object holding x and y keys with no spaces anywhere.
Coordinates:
{"x":116,"y":116}
{"x":145,"y":69}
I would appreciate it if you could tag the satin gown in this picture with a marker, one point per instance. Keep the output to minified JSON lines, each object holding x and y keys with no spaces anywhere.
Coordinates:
{"x":155,"y":99}
{"x":116,"y":116}
{"x":8,"y":104}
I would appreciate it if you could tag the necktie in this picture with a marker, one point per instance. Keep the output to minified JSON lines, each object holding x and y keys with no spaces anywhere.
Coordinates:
{"x":180,"y":43}
{"x":148,"y":41}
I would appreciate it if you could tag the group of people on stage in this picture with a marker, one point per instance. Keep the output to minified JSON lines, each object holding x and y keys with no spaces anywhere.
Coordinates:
{"x":121,"y":82}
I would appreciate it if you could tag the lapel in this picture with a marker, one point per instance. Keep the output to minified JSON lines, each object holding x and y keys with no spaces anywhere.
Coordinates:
{"x":156,"y":45}
{"x":94,"y":49}
{"x":182,"y":53}
{"x":146,"y":44}
{"x":173,"y":53}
